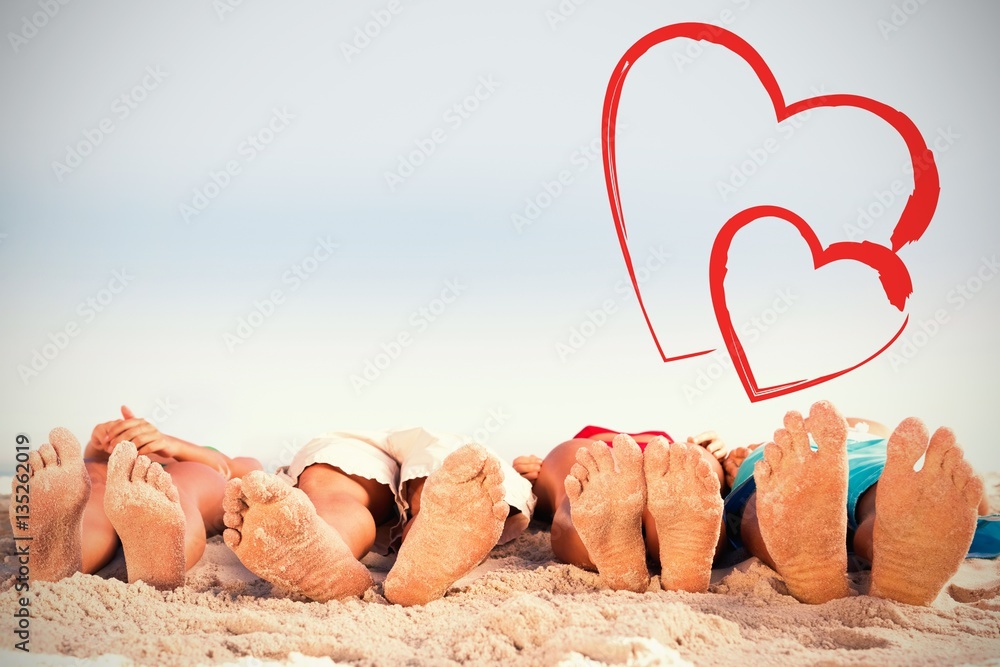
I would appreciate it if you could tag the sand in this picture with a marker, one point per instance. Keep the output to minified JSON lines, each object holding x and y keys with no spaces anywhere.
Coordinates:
{"x":519,"y":608}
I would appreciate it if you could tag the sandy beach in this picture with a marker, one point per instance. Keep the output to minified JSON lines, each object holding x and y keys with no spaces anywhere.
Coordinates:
{"x":520,"y":607}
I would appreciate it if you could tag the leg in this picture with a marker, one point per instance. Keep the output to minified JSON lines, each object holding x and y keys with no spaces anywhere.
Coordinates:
{"x":100,"y":541}
{"x":924,"y":521}
{"x":351,"y":505}
{"x":683,"y":497}
{"x":142,"y":504}
{"x":201,"y":491}
{"x":242,"y":466}
{"x":59,"y":488}
{"x":275,"y":531}
{"x":460,"y":514}
{"x":607,"y":494}
{"x":801,"y":504}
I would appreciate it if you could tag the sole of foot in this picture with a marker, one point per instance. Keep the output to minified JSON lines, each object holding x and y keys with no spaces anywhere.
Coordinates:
{"x":607,"y":495}
{"x":56,"y":490}
{"x":142,"y":504}
{"x":802,"y":503}
{"x":462,"y":514}
{"x":924,"y":520}
{"x":276,"y":533}
{"x":682,"y":494}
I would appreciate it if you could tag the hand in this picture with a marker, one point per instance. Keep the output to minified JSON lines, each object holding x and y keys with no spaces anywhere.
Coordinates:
{"x":528,"y":466}
{"x":99,"y":436}
{"x":146,"y":437}
{"x":711,"y":441}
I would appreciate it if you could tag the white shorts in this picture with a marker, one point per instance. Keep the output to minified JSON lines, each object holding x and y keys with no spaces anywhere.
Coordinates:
{"x":394,"y":458}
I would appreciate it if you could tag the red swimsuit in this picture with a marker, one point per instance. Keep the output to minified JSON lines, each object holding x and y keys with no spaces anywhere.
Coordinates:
{"x":589,"y":432}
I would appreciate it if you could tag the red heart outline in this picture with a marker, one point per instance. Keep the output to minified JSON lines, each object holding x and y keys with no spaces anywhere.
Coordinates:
{"x":913,"y":221}
{"x":892,"y":272}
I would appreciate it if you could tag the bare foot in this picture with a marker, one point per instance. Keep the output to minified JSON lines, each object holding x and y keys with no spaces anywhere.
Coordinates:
{"x":924,"y":521}
{"x":683,"y":497}
{"x":58,"y":490}
{"x":802,"y":504}
{"x":462,"y":513}
{"x":734,"y":459}
{"x":606,"y":504}
{"x":142,"y":504}
{"x":274,"y":530}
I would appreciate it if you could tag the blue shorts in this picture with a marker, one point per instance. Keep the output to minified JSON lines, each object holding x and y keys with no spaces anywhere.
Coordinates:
{"x":865,"y":461}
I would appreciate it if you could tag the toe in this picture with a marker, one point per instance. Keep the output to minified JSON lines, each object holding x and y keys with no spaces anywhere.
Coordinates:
{"x":121,"y":461}
{"x":65,"y":443}
{"x":232,"y":538}
{"x":232,"y":501}
{"x":774,"y":454}
{"x":48,"y":455}
{"x":34,"y":462}
{"x":259,"y":487}
{"x":709,"y":480}
{"x":140,"y":469}
{"x":797,"y":436}
{"x":627,"y":453}
{"x":585,"y":459}
{"x":656,"y":457}
{"x":827,"y":425}
{"x":973,"y":491}
{"x":464,"y":463}
{"x":580,"y":472}
{"x":907,"y":443}
{"x":941,"y":443}
{"x":233,"y":519}
{"x":602,"y":455}
{"x":762,"y":472}
{"x":500,"y":510}
{"x":495,"y":492}
{"x":573,"y":487}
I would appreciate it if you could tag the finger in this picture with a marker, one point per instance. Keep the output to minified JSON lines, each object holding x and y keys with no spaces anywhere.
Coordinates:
{"x":123,"y":425}
{"x":127,"y":412}
{"x":704,"y":437}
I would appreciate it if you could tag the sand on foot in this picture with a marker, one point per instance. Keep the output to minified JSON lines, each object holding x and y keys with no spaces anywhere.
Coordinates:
{"x":462,"y":514}
{"x":924,"y":520}
{"x":802,"y":503}
{"x":682,"y":494}
{"x":276,"y":533}
{"x":55,"y":496}
{"x":607,"y":495}
{"x":142,"y":504}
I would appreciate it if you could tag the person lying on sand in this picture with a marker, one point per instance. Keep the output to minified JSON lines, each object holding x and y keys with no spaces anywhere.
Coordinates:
{"x":443,"y":503}
{"x":616,"y":500}
{"x":160,"y":505}
{"x":795,"y":500}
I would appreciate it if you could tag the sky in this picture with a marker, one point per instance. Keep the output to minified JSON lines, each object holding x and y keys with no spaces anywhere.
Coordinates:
{"x":255,"y":222}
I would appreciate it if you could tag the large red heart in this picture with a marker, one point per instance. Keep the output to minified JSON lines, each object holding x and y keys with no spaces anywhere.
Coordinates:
{"x":913,"y":221}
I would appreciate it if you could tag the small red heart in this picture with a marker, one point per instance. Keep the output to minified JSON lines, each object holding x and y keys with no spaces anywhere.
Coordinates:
{"x":913,"y":221}
{"x":892,"y":274}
